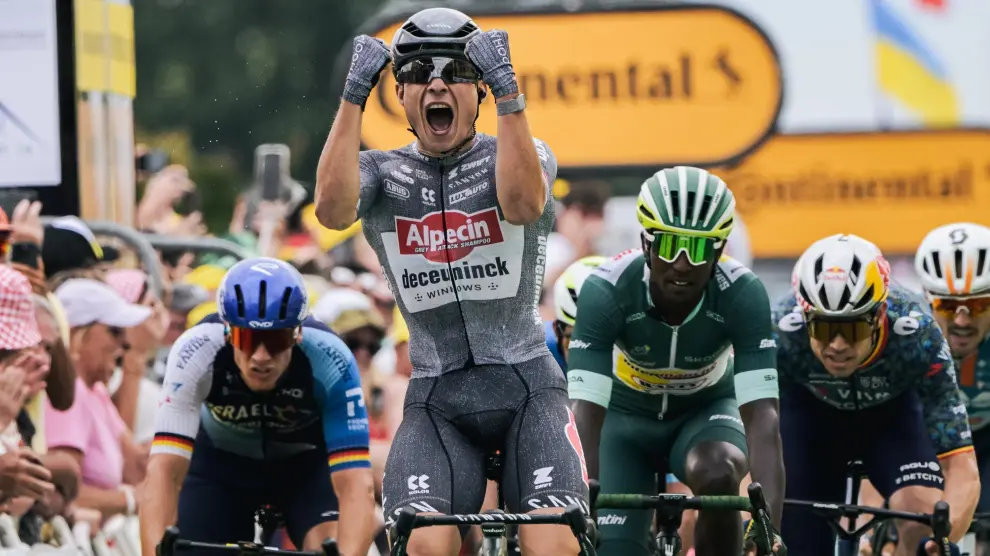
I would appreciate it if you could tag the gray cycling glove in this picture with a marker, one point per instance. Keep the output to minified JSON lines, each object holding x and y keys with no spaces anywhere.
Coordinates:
{"x":368,"y":58}
{"x":490,"y":52}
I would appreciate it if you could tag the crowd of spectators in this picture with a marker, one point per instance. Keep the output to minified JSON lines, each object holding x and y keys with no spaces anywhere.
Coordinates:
{"x":85,"y":333}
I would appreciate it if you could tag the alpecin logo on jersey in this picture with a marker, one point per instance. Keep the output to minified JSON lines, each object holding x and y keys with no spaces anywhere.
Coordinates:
{"x":464,"y":232}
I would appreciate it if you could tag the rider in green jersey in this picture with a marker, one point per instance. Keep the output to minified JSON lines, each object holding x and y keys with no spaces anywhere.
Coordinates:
{"x":689,"y":334}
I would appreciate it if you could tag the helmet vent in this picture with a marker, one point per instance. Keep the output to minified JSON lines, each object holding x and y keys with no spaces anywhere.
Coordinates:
{"x":283,"y":310}
{"x":646,"y":213}
{"x":867,"y":296}
{"x":981,"y":262}
{"x":804,"y":294}
{"x":263,"y":299}
{"x":855,"y":268}
{"x":675,"y":198}
{"x":937,"y":263}
{"x":240,"y":300}
{"x":959,"y":263}
{"x":726,"y":224}
{"x":573,"y":293}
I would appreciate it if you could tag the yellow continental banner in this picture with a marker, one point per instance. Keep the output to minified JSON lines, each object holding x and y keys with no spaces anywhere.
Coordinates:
{"x":890,"y":188}
{"x":90,"y":45}
{"x":120,"y":19}
{"x":682,"y":84}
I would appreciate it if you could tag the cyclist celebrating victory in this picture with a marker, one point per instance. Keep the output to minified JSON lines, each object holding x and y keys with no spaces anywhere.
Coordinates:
{"x":866,"y":375}
{"x":257,"y":402}
{"x":459,"y":221}
{"x":675,"y":313}
{"x":954,"y":265}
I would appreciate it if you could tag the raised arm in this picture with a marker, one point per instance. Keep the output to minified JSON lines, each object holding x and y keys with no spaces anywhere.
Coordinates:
{"x":338,"y":175}
{"x":521,"y":175}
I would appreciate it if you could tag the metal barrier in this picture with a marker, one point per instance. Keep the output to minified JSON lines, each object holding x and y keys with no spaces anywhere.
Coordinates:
{"x":145,"y":246}
{"x":199,"y":245}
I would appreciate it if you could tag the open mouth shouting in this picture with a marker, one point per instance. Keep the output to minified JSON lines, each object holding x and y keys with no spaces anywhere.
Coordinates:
{"x":439,"y":117}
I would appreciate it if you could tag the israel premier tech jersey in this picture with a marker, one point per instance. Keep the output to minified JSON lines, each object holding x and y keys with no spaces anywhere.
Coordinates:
{"x":317,"y":403}
{"x":723,"y":349}
{"x":911,"y":353}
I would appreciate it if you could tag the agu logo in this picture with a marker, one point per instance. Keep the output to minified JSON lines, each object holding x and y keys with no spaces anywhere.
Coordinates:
{"x":439,"y":244}
{"x":570,"y":429}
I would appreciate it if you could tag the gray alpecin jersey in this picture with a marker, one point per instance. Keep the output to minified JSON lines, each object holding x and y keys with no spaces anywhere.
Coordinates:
{"x":467,"y":282}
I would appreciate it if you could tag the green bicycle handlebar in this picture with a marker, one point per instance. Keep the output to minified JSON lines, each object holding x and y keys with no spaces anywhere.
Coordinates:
{"x":641,"y":502}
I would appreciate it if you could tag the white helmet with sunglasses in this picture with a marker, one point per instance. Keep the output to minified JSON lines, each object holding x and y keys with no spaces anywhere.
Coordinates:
{"x":954,"y":261}
{"x":841,"y":276}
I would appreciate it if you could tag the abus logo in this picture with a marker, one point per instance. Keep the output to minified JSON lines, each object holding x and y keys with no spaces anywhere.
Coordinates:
{"x":464,"y":232}
{"x":396,"y":190}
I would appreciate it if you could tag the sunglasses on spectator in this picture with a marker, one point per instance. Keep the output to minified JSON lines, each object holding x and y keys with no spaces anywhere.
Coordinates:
{"x":356,"y":345}
{"x":950,"y":306}
{"x":248,"y":340}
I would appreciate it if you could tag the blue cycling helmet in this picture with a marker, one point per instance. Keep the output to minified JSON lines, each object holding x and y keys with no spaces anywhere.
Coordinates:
{"x":263,"y":293}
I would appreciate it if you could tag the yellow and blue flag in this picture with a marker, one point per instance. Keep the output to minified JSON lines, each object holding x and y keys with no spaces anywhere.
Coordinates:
{"x":909,"y":72}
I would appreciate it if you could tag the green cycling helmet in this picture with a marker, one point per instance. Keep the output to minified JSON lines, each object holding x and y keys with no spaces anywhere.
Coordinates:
{"x":686,"y":200}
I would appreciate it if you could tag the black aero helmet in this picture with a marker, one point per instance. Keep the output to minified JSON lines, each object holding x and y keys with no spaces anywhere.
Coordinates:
{"x":432,"y":32}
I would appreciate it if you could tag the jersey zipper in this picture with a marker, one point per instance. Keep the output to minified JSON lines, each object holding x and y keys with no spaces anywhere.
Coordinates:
{"x":670,"y":363}
{"x":450,"y":269}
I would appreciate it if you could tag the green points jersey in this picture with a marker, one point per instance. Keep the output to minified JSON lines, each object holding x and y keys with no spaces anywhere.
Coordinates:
{"x":622,"y":357}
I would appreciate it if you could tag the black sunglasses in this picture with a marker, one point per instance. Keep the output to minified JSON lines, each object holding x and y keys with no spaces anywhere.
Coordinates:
{"x":451,"y":70}
{"x":357,"y":345}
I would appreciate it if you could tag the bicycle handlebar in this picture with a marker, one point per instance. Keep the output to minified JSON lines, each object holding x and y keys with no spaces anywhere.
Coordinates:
{"x":642,"y":502}
{"x":171,"y":542}
{"x":938,"y":520}
{"x":408,"y":520}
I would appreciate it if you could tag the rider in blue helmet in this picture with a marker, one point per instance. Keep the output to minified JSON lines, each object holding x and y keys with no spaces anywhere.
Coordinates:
{"x":260,"y":404}
{"x":263,"y":303}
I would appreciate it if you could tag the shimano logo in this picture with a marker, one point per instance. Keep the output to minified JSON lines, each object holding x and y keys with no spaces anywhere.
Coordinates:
{"x":260,"y":324}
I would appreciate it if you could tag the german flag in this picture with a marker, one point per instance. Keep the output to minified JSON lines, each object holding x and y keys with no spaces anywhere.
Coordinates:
{"x":169,"y":443}
{"x":349,"y":458}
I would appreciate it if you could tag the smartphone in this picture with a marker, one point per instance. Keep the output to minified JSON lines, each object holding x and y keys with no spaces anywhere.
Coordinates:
{"x":152,"y":161}
{"x":271,"y":177}
{"x":271,"y":170}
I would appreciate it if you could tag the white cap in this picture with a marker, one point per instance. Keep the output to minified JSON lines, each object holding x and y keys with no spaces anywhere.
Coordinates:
{"x":89,"y":301}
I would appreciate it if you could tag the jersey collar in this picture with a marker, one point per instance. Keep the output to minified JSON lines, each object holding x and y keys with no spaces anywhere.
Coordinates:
{"x":649,"y":297}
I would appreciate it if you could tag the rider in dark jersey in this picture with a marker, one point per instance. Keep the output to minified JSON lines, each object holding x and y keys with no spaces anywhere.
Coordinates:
{"x":459,"y":221}
{"x":865,"y":374}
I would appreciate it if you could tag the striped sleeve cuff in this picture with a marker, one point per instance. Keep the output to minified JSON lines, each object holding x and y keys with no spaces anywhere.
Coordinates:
{"x":350,"y":458}
{"x":175,"y":444}
{"x":956,"y":452}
